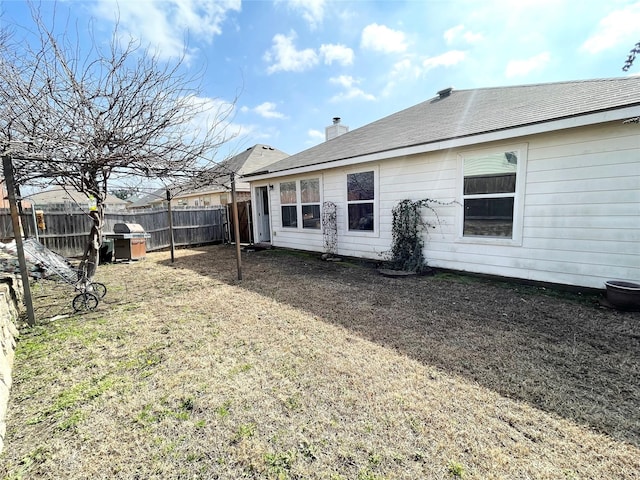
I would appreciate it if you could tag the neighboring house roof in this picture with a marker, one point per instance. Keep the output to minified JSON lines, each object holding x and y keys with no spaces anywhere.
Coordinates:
{"x":59,"y":195}
{"x":456,"y":114}
{"x":157,"y":196}
{"x":254,"y":158}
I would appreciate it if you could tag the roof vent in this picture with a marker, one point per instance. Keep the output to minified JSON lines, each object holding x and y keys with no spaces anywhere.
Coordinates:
{"x":445,"y":93}
{"x":336,"y":120}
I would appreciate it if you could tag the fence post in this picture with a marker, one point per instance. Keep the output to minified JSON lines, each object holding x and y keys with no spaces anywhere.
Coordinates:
{"x":236,"y":224}
{"x":170,"y":217}
{"x":7,"y":166}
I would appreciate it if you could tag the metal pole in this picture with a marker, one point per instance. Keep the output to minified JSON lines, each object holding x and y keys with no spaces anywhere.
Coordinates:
{"x":170,"y":215}
{"x":236,"y":225}
{"x":35,"y":223}
{"x":7,"y":166}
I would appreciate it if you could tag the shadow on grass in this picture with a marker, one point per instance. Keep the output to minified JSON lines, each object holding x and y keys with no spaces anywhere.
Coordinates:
{"x":559,"y":352}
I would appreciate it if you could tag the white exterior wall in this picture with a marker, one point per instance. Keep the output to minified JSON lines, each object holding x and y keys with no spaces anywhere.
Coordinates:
{"x":578,"y":197}
{"x":298,"y":238}
{"x":582,"y":208}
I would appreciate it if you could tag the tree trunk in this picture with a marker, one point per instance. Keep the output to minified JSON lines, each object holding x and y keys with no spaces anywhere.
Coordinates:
{"x":91,"y":257}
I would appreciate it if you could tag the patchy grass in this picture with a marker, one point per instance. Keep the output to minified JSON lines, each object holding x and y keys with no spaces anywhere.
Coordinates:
{"x":310,"y":370}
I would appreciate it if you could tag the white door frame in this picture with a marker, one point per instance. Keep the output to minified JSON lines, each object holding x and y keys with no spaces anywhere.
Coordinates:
{"x":263,"y":220}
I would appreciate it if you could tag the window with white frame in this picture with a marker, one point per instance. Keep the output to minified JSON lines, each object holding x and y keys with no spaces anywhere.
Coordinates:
{"x":289,"y":202}
{"x":310,"y":202}
{"x":306,"y":205}
{"x":489,"y":194}
{"x":360,"y":200}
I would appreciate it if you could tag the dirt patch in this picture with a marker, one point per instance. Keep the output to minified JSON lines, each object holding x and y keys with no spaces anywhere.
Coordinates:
{"x":312,"y":369}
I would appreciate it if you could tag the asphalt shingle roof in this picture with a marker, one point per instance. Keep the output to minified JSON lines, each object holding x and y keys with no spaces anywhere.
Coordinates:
{"x":253,"y":158}
{"x":58,"y":195}
{"x":472,"y":112}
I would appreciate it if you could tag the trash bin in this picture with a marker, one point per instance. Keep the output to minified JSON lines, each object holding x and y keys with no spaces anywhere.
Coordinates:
{"x":129,"y":241}
{"x":106,"y":250}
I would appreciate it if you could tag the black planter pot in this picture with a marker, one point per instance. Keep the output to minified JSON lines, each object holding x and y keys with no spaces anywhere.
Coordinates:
{"x":623,"y":295}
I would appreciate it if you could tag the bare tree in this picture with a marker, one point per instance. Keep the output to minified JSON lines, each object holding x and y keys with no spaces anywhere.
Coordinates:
{"x":79,"y":116}
{"x":631,"y":57}
{"x":625,"y":68}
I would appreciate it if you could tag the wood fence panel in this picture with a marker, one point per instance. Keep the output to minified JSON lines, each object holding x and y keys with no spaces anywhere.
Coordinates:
{"x":6,"y":227}
{"x":66,"y":232}
{"x":244,"y":222}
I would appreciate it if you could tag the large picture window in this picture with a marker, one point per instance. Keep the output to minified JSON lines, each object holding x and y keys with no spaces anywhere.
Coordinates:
{"x":306,"y":204}
{"x":489,"y":193}
{"x":288,"y":202}
{"x":360,"y":200}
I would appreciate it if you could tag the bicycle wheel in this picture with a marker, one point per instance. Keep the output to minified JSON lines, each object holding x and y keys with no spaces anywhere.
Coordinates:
{"x":85,"y":302}
{"x":99,"y":289}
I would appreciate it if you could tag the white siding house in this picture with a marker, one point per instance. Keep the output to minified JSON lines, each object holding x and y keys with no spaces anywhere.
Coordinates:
{"x":545,"y":181}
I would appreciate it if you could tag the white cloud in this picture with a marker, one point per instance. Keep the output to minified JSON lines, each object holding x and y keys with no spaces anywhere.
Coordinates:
{"x":312,"y":10}
{"x":471,"y":37}
{"x":400,"y":71}
{"x":167,"y":25}
{"x":518,"y":68}
{"x":214,"y":116}
{"x":336,"y":53}
{"x":405,"y":68}
{"x":286,"y":58}
{"x":346,"y":81}
{"x":451,"y":34}
{"x":383,"y":39}
{"x":459,"y":31}
{"x":448,"y":59}
{"x":351,"y":91}
{"x":316,"y":135}
{"x":618,"y":27}
{"x":268,"y":110}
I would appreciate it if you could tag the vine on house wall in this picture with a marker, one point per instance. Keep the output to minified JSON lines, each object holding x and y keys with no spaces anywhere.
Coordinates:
{"x":329,"y":228}
{"x":407,"y":228}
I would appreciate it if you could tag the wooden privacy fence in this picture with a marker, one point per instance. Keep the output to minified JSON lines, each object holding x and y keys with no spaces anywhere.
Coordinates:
{"x":66,"y":231}
{"x":244,"y":222}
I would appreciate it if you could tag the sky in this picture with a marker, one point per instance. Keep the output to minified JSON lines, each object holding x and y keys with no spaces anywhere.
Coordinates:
{"x":293,"y":65}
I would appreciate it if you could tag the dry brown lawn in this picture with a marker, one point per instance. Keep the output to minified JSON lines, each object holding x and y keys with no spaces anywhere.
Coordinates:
{"x":314,"y":370}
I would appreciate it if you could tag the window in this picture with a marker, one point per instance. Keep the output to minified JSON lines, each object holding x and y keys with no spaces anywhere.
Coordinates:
{"x":310,"y":199}
{"x":288,"y":201}
{"x":307,"y":203}
{"x":489,"y":194}
{"x":360,"y":200}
